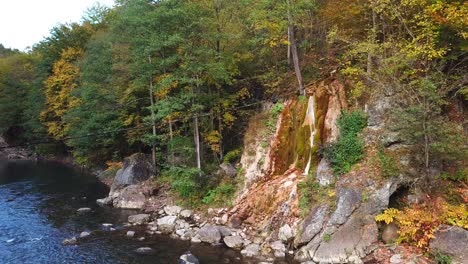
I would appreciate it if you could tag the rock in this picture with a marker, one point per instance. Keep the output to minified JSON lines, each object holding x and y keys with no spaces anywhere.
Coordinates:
{"x":84,"y":210}
{"x":84,"y":234}
{"x":130,"y":197}
{"x":312,"y":225}
{"x":141,"y":238}
{"x":415,"y":199}
{"x":224,"y":231}
{"x":350,"y":242}
{"x":390,"y":233}
{"x":376,"y":110}
{"x":285,"y":233}
{"x":144,"y":250}
{"x":235,"y":242}
{"x":188,"y":258}
{"x":451,"y":240}
{"x":227,"y":169}
{"x":348,"y":201}
{"x":186,"y":213}
{"x":224,"y":219}
{"x":130,"y":233}
{"x":395,"y":259}
{"x":195,"y":240}
{"x":166,"y":224}
{"x":209,"y":234}
{"x":251,"y":250}
{"x":172,"y":210}
{"x":136,"y":168}
{"x":324,"y":173}
{"x":70,"y":241}
{"x":106,"y":225}
{"x":211,"y":211}
{"x":104,"y":201}
{"x":279,"y":249}
{"x":139,"y":219}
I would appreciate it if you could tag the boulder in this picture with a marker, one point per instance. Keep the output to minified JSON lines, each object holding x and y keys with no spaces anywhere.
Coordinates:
{"x":209,"y":234}
{"x":235,"y":242}
{"x":172,"y":210}
{"x":130,"y":233}
{"x":324,"y":173}
{"x":69,"y":241}
{"x":390,"y":233}
{"x":144,"y":250}
{"x":396,"y":259}
{"x":451,"y":240}
{"x":130,"y":197}
{"x":84,"y":210}
{"x":166,"y":225}
{"x":349,"y":243}
{"x":251,"y":250}
{"x":224,"y":231}
{"x":312,"y":225}
{"x":84,"y":234}
{"x":186,"y":213}
{"x":285,"y":233}
{"x":136,"y":169}
{"x":188,"y":258}
{"x":348,"y":201}
{"x":227,"y":169}
{"x":139,"y":219}
{"x":278,"y":248}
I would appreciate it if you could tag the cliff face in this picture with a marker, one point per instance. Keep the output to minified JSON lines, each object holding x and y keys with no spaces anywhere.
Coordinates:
{"x":11,"y":153}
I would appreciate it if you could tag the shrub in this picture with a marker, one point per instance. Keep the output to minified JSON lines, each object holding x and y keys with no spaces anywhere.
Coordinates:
{"x":460,"y":176}
{"x":184,"y":180}
{"x":232,"y":155}
{"x":388,"y":167}
{"x":441,"y":258}
{"x":349,"y":148}
{"x":419,"y":223}
{"x":221,"y":195}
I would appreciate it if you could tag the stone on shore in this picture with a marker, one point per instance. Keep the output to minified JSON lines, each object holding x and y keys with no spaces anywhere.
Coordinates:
{"x":188,"y":258}
{"x":251,"y":250}
{"x":209,"y":234}
{"x":85,"y":234}
{"x":166,"y":225}
{"x":235,"y":242}
{"x":70,"y":241}
{"x":139,"y":219}
{"x":84,"y":210}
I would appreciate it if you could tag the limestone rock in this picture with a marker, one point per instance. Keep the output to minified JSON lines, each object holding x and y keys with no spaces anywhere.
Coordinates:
{"x":224,"y":231}
{"x":167,"y":224}
{"x":348,"y":201}
{"x":139,"y":219}
{"x":312,"y":225}
{"x":251,"y":250}
{"x":69,"y":241}
{"x":130,"y":233}
{"x":234,"y":241}
{"x":130,"y":197}
{"x":351,"y":242}
{"x":84,"y":210}
{"x":324,"y":173}
{"x":186,"y":213}
{"x":285,"y":233}
{"x":84,"y":234}
{"x":172,"y":210}
{"x":144,"y":250}
{"x":279,"y":249}
{"x":451,"y":240}
{"x":209,"y":234}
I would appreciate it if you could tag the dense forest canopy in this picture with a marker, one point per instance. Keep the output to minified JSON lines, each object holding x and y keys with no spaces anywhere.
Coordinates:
{"x":179,"y":78}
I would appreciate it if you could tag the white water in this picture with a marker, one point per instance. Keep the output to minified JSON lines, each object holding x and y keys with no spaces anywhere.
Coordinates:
{"x":310,"y":121}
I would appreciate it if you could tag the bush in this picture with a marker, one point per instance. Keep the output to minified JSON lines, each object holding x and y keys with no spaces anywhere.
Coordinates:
{"x":349,"y":148}
{"x":442,"y":258}
{"x":184,"y":180}
{"x":388,"y":167}
{"x":232,"y":156}
{"x":419,"y":223}
{"x":460,"y":176}
{"x":220,"y":195}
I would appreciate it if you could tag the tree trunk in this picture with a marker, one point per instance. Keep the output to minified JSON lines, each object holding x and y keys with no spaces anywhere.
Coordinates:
{"x":153,"y":119}
{"x":220,"y":127}
{"x":197,"y":141}
{"x":373,"y":37}
{"x":171,"y":152}
{"x":295,"y":56}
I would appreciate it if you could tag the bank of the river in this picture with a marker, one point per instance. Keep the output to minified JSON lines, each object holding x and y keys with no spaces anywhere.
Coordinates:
{"x":38,"y":210}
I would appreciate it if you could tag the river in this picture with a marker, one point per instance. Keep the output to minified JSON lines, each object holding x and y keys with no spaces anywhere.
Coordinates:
{"x":38,"y":203}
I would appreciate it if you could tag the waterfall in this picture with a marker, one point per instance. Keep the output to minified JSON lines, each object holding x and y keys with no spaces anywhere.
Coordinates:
{"x":310,"y":121}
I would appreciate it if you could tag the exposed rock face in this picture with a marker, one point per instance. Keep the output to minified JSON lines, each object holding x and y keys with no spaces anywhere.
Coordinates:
{"x":312,"y":225}
{"x":136,"y":168}
{"x":451,"y":240}
{"x":209,"y":234}
{"x":350,"y":243}
{"x":348,"y":201}
{"x":12,"y":153}
{"x":285,"y":233}
{"x":324,"y":172}
{"x":227,"y":169}
{"x":127,"y":190}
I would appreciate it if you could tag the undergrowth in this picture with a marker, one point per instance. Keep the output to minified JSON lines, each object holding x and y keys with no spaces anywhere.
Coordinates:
{"x":349,"y":148}
{"x":310,"y":192}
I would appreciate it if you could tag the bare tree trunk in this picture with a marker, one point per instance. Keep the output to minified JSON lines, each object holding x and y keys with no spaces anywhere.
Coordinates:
{"x":295,"y":56}
{"x":289,"y":49}
{"x":153,"y":118}
{"x":171,"y":152}
{"x":197,"y":141}
{"x":220,"y":127}
{"x":373,"y":37}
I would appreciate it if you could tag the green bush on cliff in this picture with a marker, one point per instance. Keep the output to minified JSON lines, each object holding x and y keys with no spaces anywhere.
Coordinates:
{"x":183,"y":180}
{"x":349,"y":148}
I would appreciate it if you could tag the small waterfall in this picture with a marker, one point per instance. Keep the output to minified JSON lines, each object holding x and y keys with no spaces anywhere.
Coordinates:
{"x":309,"y":120}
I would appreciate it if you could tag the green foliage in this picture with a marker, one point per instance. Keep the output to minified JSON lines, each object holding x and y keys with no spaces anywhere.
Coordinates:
{"x":184,"y":180}
{"x":441,"y":258}
{"x":232,"y":155}
{"x":461,"y":175}
{"x":349,"y":148}
{"x":311,"y":192}
{"x":220,"y":196}
{"x":326,"y":237}
{"x":388,"y":165}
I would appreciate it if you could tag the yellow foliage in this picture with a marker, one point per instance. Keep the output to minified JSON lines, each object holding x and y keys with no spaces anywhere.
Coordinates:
{"x":419,"y":223}
{"x":213,"y":139}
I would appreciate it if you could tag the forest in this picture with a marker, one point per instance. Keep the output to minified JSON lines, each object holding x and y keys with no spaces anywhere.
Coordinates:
{"x":180,"y":78}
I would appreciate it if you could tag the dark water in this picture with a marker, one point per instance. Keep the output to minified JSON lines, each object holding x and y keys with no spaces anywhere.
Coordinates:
{"x":38,"y":203}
